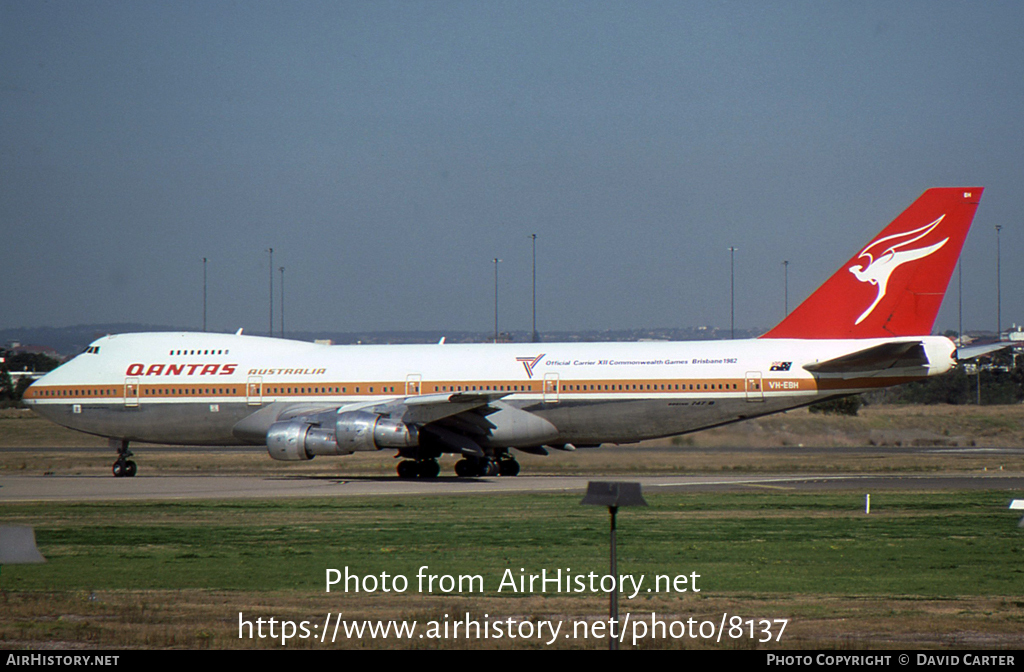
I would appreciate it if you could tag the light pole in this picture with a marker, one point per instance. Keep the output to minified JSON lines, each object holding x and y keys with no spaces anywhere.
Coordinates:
{"x":496,"y":262}
{"x":999,"y":290}
{"x":533,"y":236}
{"x":271,"y":251}
{"x":785,"y":267}
{"x":282,"y":302}
{"x":960,"y":303}
{"x":732,"y":292}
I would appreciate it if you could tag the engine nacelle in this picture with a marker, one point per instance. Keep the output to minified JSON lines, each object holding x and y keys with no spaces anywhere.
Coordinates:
{"x":292,"y":441}
{"x":355,"y":430}
{"x":360,"y":430}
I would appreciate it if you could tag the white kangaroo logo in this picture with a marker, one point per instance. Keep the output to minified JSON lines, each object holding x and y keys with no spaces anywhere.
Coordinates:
{"x":878,"y":269}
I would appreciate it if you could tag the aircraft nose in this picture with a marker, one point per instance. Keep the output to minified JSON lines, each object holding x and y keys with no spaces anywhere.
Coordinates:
{"x":35,"y":390}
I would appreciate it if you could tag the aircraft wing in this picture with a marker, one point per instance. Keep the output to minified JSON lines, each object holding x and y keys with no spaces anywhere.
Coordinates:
{"x":418,"y":409}
{"x":427,"y":408}
{"x":456,"y":419}
{"x":876,"y":358}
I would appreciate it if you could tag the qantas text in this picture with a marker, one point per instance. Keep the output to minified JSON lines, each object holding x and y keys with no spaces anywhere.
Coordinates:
{"x":181,"y":370}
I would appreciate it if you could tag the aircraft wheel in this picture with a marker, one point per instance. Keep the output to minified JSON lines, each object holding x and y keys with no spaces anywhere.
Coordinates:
{"x":464,"y":469}
{"x":407,"y":469}
{"x":429,"y":469}
{"x":508,"y":468}
{"x":490,"y":468}
{"x":123,"y":466}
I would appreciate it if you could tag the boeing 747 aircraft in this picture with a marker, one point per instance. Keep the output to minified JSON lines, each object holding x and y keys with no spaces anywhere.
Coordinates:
{"x":867,"y":327}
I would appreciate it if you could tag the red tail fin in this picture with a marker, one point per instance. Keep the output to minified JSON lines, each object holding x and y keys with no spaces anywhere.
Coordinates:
{"x":894,"y":286}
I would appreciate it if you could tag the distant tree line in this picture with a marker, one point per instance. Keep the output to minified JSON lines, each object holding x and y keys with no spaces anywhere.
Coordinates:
{"x":958,"y":387}
{"x":840,"y":406}
{"x":11,"y":392}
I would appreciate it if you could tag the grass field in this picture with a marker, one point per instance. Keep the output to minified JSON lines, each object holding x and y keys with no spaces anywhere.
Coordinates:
{"x":922,"y":569}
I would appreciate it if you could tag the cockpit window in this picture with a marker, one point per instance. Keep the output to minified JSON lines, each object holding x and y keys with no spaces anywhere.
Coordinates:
{"x":91,"y":350}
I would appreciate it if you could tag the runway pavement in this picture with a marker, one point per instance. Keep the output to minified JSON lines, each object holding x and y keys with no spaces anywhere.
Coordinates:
{"x":155,"y":486}
{"x":140,"y":488}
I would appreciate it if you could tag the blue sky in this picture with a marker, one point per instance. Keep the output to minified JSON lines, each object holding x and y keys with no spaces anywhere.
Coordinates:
{"x":388,"y":151}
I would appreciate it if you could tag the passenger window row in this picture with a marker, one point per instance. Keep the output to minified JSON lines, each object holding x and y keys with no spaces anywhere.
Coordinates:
{"x":550,"y":386}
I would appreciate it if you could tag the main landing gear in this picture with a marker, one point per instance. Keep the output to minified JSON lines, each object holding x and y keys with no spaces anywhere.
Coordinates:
{"x":468,"y":467}
{"x":487,"y":466}
{"x":428,"y":468}
{"x":123,"y":467}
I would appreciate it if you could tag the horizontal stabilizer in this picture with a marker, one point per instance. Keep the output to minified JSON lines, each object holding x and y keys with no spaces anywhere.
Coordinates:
{"x":876,"y":358}
{"x":972,"y":351}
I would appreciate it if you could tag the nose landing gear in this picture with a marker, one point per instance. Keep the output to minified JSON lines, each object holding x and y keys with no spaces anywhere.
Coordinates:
{"x":123,"y":468}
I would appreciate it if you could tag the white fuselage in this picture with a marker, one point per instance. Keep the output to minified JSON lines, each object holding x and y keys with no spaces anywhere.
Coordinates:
{"x":195,"y":388}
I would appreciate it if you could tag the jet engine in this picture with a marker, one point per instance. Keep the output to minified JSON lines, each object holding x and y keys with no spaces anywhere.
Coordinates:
{"x":360,"y":430}
{"x":299,"y":441}
{"x":305,"y":438}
